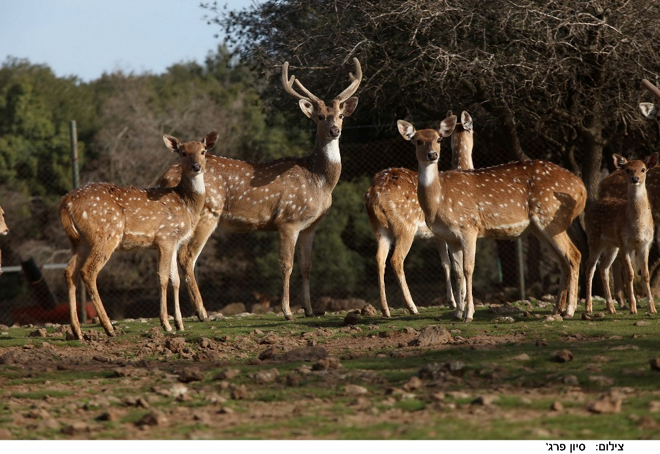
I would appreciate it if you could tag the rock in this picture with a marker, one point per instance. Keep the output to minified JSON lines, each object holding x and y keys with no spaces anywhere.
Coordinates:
{"x":352,"y":318}
{"x":563,"y":356}
{"x":190,"y":375}
{"x":643,"y":323}
{"x":625,"y":347}
{"x":175,"y":344}
{"x":413,"y":384}
{"x":655,"y":364}
{"x":111,"y":415}
{"x":205,"y":342}
{"x":4,"y":328}
{"x":505,"y":319}
{"x":522,"y":357}
{"x":265,"y":376}
{"x":601,"y":380}
{"x":154,"y":418}
{"x":553,"y":318}
{"x":435,"y":371}
{"x":557,"y":406}
{"x":301,"y":354}
{"x":654,"y":406}
{"x":239,"y":392}
{"x":571,"y":380}
{"x":176,"y":390}
{"x":42,"y":332}
{"x":431,"y":335}
{"x":233,"y":309}
{"x":327,"y":364}
{"x":607,"y":403}
{"x":355,"y":390}
{"x":485,"y":400}
{"x":293,"y":380}
{"x":369,"y":311}
{"x":226,"y":411}
{"x":227,"y":374}
{"x":76,"y":427}
{"x":270,"y":339}
{"x":410,"y":330}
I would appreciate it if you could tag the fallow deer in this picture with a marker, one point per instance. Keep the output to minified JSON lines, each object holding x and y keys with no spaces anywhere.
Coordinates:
{"x":3,"y":231}
{"x":101,"y":217}
{"x":616,"y":185}
{"x":395,"y":215}
{"x":500,"y":202}
{"x":621,"y":226}
{"x":289,"y":195}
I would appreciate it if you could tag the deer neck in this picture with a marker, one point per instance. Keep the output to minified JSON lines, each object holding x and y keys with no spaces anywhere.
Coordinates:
{"x":325,"y":161}
{"x":638,"y":201}
{"x":193,"y":192}
{"x":429,"y":188}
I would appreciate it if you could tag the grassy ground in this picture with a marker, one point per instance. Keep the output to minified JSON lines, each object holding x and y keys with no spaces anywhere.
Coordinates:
{"x":495,"y":379}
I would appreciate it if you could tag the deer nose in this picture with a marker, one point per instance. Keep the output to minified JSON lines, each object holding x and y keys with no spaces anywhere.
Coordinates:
{"x":432,"y":156}
{"x":635,"y":179}
{"x":196,"y":167}
{"x":334,"y":131}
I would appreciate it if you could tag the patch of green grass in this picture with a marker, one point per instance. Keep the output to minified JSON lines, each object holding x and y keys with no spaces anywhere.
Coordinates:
{"x":40,"y":395}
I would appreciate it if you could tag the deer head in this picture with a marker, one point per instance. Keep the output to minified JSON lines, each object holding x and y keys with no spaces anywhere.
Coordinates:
{"x":193,"y":157}
{"x":427,"y":141}
{"x":3,"y":225}
{"x":328,"y":118}
{"x":635,"y":170}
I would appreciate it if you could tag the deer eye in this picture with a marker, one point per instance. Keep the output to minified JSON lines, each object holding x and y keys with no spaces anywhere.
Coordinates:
{"x":321,"y":117}
{"x":203,"y":152}
{"x":184,"y":154}
{"x":439,"y":139}
{"x":643,"y":170}
{"x":341,"y":116}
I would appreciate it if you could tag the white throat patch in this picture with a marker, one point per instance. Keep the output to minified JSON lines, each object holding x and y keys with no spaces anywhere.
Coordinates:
{"x":198,"y":184}
{"x":427,"y":174}
{"x":331,"y":151}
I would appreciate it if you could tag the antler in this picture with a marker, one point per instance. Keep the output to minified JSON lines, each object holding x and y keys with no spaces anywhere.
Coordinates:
{"x":355,"y":83}
{"x":288,"y":85}
{"x":652,"y":88}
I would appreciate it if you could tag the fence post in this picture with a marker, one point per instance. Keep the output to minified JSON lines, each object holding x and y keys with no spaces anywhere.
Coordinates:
{"x":521,"y":267}
{"x":75,"y":175}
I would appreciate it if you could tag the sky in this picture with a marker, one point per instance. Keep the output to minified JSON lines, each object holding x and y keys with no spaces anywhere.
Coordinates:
{"x":86,"y":38}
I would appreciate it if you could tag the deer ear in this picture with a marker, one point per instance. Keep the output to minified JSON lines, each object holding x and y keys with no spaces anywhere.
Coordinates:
{"x":171,"y":142}
{"x":348,"y":107}
{"x":649,"y":110}
{"x":619,"y":161}
{"x":447,"y":126}
{"x":406,"y":130}
{"x":210,"y":139}
{"x":449,"y":114}
{"x":307,"y":107}
{"x":651,"y":160}
{"x":466,"y":120}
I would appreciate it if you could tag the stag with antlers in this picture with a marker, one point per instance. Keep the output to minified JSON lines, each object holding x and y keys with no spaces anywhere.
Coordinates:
{"x":100,"y":218}
{"x":289,"y":195}
{"x":501,"y":202}
{"x":396,"y":217}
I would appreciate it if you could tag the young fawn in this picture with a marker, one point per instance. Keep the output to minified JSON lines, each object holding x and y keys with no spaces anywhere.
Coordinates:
{"x":501,"y":202}
{"x":99,"y":218}
{"x":396,"y":217}
{"x":622,"y":226}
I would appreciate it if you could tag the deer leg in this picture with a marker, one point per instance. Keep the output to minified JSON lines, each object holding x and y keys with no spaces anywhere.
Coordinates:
{"x":188,"y":255}
{"x":594,"y":255}
{"x":164,"y":268}
{"x":605,"y":266}
{"x":305,"y":240}
{"x":288,"y":240}
{"x":446,"y":265}
{"x":617,"y":273}
{"x":568,"y":256}
{"x":469,"y":253}
{"x":630,"y":275}
{"x":646,"y":277}
{"x":401,"y":249}
{"x":384,"y":243}
{"x":96,"y":260}
{"x":457,"y":264}
{"x":176,"y":283}
{"x":71,"y":274}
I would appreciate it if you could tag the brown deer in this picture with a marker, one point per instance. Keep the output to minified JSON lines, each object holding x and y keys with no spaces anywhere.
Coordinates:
{"x":99,"y":218}
{"x":500,"y":202}
{"x":616,"y":185}
{"x":289,"y":195}
{"x":395,"y":215}
{"x":3,"y":231}
{"x":621,"y":226}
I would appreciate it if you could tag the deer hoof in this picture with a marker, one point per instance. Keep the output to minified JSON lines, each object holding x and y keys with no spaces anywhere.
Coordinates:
{"x":289,"y":316}
{"x":468,"y":320}
{"x":202,"y":317}
{"x":317,"y":313}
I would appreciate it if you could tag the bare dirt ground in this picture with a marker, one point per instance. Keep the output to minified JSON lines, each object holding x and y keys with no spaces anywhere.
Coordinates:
{"x":261,"y":377}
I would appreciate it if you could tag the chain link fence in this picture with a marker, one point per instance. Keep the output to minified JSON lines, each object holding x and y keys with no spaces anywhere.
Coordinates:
{"x":240,"y":272}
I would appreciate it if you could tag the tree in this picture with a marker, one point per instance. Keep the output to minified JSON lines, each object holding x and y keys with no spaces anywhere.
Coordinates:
{"x":569,"y":76}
